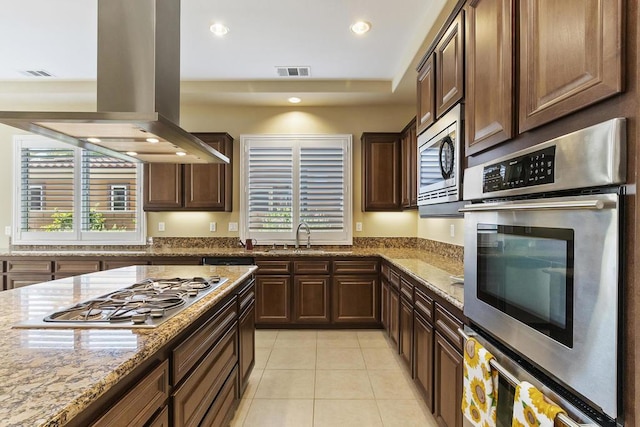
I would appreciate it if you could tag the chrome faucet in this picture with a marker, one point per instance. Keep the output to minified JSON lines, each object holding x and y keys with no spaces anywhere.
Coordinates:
{"x":308,"y":235}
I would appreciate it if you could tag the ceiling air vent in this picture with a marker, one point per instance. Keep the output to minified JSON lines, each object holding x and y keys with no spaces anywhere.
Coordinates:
{"x":294,"y":71}
{"x":36,"y":73}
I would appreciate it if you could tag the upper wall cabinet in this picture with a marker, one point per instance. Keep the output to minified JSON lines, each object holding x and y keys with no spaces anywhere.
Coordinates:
{"x":449,"y":62}
{"x":409,"y":166}
{"x":489,"y":73}
{"x":194,"y":187}
{"x":381,"y":171}
{"x":570,"y":57}
{"x":426,"y":94}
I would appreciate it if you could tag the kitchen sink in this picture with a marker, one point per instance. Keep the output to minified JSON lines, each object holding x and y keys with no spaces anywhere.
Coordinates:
{"x":295,"y":251}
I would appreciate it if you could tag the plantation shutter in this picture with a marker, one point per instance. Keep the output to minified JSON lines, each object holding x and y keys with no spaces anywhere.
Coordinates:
{"x":322,"y":184}
{"x":270,"y":189}
{"x":109,"y":190}
{"x":46,"y":189}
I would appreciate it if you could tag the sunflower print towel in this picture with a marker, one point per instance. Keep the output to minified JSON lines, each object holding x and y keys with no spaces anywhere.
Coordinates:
{"x":480,"y":386}
{"x":532,"y":409}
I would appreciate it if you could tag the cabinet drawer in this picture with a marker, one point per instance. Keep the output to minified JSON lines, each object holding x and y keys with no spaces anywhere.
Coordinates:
{"x":385,"y":270}
{"x":111,"y":264}
{"x":187,"y":354}
{"x":394,"y":279}
{"x":448,"y":326}
{"x":312,"y":267}
{"x":247,"y":295}
{"x":222,"y":409}
{"x":280,"y":266}
{"x":194,"y":397}
{"x":424,"y":305}
{"x":162,"y":419}
{"x":70,"y":266}
{"x":364,"y":266}
{"x":141,"y":402}
{"x":29,"y":266}
{"x":406,"y":288}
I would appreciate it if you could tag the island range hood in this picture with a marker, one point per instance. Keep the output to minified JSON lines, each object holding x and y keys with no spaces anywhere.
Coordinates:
{"x":138,"y":91}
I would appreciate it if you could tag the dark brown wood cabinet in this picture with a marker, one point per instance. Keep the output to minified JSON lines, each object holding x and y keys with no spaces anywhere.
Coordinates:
{"x":381,"y":171}
{"x":426,"y":94}
{"x":394,"y":315}
{"x":570,"y":57}
{"x":489,"y":92}
{"x":246,"y":334}
{"x":311,"y":299}
{"x":384,"y":303}
{"x":356,"y":299}
{"x":406,"y":332}
{"x":196,"y":187}
{"x":409,"y":167}
{"x":448,"y":383}
{"x":423,"y":336}
{"x":449,"y":66}
{"x":273,"y":295}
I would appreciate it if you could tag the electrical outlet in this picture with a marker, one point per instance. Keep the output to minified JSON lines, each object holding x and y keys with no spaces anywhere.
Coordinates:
{"x":358,"y":226}
{"x":161,"y":226}
{"x":7,"y":230}
{"x":212,"y":226}
{"x":452,"y":230}
{"x":233,"y":226}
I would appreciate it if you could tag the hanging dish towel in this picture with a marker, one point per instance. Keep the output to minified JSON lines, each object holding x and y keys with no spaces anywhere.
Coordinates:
{"x":532,"y":409}
{"x":480,"y":386}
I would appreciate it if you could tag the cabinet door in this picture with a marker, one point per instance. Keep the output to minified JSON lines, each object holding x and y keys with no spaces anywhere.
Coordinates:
{"x":570,"y":57}
{"x":426,"y":94}
{"x":273,"y":299}
{"x":489,"y":73}
{"x":423,"y":358}
{"x":356,"y":299}
{"x":162,"y":186}
{"x":247,"y":353}
{"x":380,"y":171}
{"x":209,"y":186}
{"x":409,"y":167}
{"x":406,"y":332}
{"x":450,"y":67}
{"x":19,"y":280}
{"x":311,"y":299}
{"x":448,"y":384}
{"x":394,"y":315}
{"x":384,"y":305}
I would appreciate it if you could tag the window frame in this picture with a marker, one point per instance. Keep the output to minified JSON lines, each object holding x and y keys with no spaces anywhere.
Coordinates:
{"x":112,"y":197}
{"x":297,"y":141}
{"x":77,"y":236}
{"x":40,"y":201}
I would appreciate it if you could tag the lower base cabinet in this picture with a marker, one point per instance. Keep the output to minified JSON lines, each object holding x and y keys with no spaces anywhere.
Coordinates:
{"x":247,"y":335}
{"x":272,"y":299}
{"x":423,"y":358}
{"x":448,"y":383}
{"x":311,"y":299}
{"x":394,"y":315}
{"x":406,"y":332}
{"x":356,"y":299}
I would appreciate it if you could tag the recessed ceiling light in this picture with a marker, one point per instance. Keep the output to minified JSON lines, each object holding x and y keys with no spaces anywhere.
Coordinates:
{"x":295,"y":100}
{"x":131,"y":153}
{"x":361,"y":27}
{"x":181,"y":153}
{"x":94,"y":140}
{"x":153,"y":140}
{"x":219,"y":29}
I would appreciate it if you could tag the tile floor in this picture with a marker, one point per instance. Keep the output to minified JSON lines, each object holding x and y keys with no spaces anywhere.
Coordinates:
{"x":329,"y":378}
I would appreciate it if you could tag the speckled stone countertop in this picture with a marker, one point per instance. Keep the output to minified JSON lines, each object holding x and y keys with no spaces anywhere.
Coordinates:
{"x":51,"y":375}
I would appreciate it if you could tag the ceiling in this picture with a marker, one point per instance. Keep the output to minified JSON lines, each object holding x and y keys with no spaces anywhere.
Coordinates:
{"x":59,"y":37}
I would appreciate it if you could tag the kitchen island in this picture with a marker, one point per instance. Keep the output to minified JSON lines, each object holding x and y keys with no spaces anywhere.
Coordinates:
{"x":73,"y":376}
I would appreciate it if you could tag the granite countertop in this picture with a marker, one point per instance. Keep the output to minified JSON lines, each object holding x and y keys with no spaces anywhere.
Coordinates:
{"x":50,"y":375}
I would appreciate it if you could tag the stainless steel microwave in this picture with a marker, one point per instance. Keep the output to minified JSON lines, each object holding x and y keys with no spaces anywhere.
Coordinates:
{"x":439,"y":160}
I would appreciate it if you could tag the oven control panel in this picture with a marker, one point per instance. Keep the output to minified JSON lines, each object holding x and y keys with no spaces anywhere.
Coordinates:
{"x":529,"y":170}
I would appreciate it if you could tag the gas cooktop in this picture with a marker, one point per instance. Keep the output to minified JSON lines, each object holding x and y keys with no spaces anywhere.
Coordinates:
{"x":145,"y":304}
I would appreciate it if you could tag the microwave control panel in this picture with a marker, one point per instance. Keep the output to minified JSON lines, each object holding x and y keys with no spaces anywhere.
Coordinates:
{"x":529,"y":170}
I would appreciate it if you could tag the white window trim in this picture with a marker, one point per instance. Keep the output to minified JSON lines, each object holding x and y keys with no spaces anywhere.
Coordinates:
{"x":76,"y":237}
{"x":316,"y":238}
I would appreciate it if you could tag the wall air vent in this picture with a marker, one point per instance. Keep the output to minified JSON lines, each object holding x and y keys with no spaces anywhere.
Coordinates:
{"x":36,"y":73}
{"x":293,"y":71}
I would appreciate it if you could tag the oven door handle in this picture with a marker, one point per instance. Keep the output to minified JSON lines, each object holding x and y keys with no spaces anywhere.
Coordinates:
{"x":535,"y":206}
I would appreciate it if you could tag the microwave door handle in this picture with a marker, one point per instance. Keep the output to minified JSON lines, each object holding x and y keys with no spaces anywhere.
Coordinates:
{"x":535,"y":206}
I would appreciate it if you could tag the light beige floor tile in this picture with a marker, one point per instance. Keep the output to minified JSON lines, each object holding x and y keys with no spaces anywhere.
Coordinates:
{"x":280,"y":413}
{"x":373,"y":339}
{"x":286,"y":384}
{"x":298,"y":333}
{"x":292,"y":358}
{"x":380,"y":358}
{"x":405,"y":413}
{"x":252,"y":385}
{"x":340,"y":358}
{"x":343,"y":384}
{"x":287,"y":341}
{"x":337,"y":334}
{"x":265,"y":338}
{"x":339,"y":342}
{"x":241,"y":413}
{"x":346,"y":413}
{"x":389,"y":384}
{"x":262,"y":355}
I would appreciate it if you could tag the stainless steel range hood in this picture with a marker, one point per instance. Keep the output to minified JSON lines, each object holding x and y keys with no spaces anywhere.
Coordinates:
{"x":138,"y":95}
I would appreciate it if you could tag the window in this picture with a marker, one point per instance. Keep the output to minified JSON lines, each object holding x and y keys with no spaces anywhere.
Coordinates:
{"x":289,"y":179}
{"x":89,"y":199}
{"x":118,"y":197}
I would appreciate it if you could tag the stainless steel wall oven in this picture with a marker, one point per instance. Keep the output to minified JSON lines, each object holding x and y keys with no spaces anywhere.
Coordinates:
{"x":543,"y":260}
